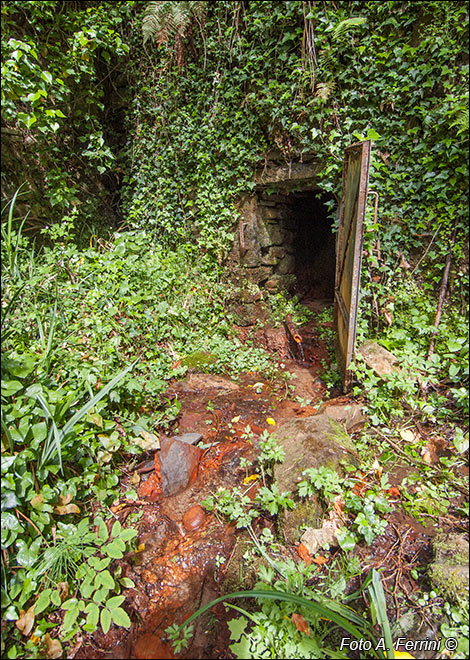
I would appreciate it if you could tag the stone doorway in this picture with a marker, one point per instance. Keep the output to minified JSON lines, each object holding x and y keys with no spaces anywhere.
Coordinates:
{"x":286,"y":241}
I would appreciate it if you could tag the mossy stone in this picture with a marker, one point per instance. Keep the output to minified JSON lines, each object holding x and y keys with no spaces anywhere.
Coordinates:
{"x":449,"y":573}
{"x":198,"y":360}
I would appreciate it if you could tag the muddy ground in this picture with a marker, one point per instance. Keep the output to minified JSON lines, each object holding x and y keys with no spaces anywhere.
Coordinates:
{"x":184,"y":552}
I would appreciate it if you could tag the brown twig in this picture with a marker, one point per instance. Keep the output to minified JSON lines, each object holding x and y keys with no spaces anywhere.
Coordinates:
{"x":32,"y":525}
{"x":442,"y":293}
{"x":415,"y":461}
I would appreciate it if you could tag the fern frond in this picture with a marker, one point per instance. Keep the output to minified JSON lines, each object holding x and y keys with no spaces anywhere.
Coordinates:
{"x":346,"y":25}
{"x":164,"y":19}
{"x":323,"y":90}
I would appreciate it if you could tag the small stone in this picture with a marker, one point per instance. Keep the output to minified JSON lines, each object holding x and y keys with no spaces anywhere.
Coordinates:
{"x":178,"y":465}
{"x":189,"y":438}
{"x":378,"y":358}
{"x":151,"y":646}
{"x":193,"y":518}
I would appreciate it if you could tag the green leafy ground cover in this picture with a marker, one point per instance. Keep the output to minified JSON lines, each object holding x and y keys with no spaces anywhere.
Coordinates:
{"x":95,"y":322}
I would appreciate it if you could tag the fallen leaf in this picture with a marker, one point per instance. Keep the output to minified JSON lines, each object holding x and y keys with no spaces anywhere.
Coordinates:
{"x":53,"y":647}
{"x":300,"y":623}
{"x":65,"y":499}
{"x":65,"y":510}
{"x":320,"y":560}
{"x":258,"y":385}
{"x":135,"y":479}
{"x":427,"y":456}
{"x":304,"y":554}
{"x":148,"y":441}
{"x":140,"y":548}
{"x":314,"y":539}
{"x":26,"y":621}
{"x":359,"y":488}
{"x":403,"y":654}
{"x":37,"y":500}
{"x":271,"y":421}
{"x":176,"y":364}
{"x":378,"y":469}
{"x":408,"y":435}
{"x":393,"y":491}
{"x":236,"y":419}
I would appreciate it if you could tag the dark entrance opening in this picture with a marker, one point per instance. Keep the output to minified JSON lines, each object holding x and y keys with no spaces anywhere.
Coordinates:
{"x":313,"y":244}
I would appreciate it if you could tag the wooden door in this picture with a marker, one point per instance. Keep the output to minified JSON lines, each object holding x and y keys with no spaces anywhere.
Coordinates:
{"x":349,"y":253}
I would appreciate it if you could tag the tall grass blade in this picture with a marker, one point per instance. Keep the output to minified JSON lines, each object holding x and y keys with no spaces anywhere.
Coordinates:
{"x":347,"y":619}
{"x":92,"y":402}
{"x":377,"y":595}
{"x":48,"y":449}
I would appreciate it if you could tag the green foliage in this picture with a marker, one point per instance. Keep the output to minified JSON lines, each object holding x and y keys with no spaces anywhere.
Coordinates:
{"x":322,"y":481}
{"x":82,"y":557}
{"x":274,"y":631}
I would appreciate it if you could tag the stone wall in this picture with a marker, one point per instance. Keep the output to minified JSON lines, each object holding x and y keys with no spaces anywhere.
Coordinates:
{"x":263,"y":249}
{"x":264,"y":243}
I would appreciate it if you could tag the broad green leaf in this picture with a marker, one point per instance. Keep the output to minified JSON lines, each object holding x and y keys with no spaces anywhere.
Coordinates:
{"x":70,"y":617}
{"x":46,"y":76}
{"x":128,"y":534}
{"x":105,"y":579}
{"x":10,"y":387}
{"x":105,"y":620}
{"x":120,"y":617}
{"x":43,"y":601}
{"x":116,"y":529}
{"x":237,"y":627}
{"x":115,"y":601}
{"x":93,"y":612}
{"x":113,"y":549}
{"x":127,"y":582}
{"x":70,"y":603}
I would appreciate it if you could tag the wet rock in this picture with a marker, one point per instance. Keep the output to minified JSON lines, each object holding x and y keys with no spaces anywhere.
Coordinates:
{"x":189,"y":438}
{"x":193,"y":518}
{"x":206,"y":382}
{"x":449,"y":573}
{"x":378,"y":358}
{"x":349,"y":414}
{"x":151,"y":646}
{"x":312,"y":442}
{"x":178,"y":465}
{"x":309,"y":442}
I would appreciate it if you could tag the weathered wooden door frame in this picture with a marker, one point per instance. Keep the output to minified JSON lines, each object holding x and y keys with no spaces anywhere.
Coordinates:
{"x":349,"y":253}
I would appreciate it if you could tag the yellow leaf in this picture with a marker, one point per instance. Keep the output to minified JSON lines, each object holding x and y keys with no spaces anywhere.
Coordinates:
{"x":252,"y":477}
{"x":271,"y":421}
{"x":403,"y":654}
{"x":140,"y":547}
{"x":65,"y":510}
{"x":26,"y":621}
{"x":37,"y":500}
{"x":135,"y":479}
